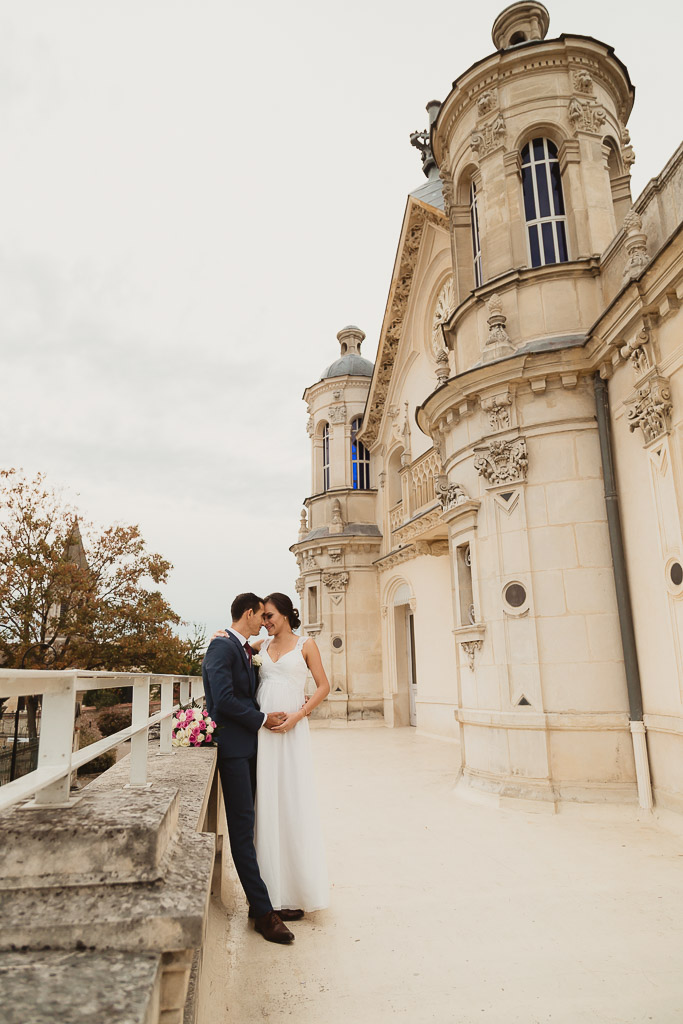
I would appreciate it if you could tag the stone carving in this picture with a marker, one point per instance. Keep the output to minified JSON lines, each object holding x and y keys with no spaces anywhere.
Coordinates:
{"x":421,"y":141}
{"x":627,"y":153}
{"x":586,"y":117}
{"x":334,"y":554}
{"x":635,"y":351}
{"x":470,"y":647}
{"x":449,"y":495}
{"x":448,"y":193}
{"x":498,"y":409}
{"x":502,"y":462}
{"x":406,"y":458}
{"x":445,"y":305}
{"x":336,"y":582}
{"x":636,"y":245}
{"x":309,"y":561}
{"x":337,"y":413}
{"x":337,"y":394}
{"x":420,"y":216}
{"x":442,"y":371}
{"x":652,"y":409}
{"x":498,"y":341}
{"x":583,"y":82}
{"x":337,"y":524}
{"x":299,"y":586}
{"x":434,"y":547}
{"x":488,"y":137}
{"x":303,"y":525}
{"x":486,"y":102}
{"x":309,"y":426}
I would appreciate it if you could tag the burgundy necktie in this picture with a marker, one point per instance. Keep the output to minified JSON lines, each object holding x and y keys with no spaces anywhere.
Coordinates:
{"x":248,"y":648}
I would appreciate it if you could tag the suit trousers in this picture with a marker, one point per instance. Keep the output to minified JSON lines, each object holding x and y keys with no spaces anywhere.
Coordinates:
{"x":238,"y":781}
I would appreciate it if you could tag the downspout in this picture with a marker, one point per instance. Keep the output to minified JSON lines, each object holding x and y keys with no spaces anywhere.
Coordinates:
{"x":628,"y":639}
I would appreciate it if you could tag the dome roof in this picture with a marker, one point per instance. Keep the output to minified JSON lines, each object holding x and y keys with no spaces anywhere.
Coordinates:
{"x":351,"y":362}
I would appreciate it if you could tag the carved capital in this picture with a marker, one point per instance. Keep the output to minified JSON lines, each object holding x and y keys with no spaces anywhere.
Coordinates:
{"x":449,"y":495}
{"x":636,"y":351}
{"x":299,"y":586}
{"x":336,"y":582}
{"x":470,"y":647}
{"x":586,"y":117}
{"x":337,"y":413}
{"x":502,"y":462}
{"x":498,"y":409}
{"x":651,"y":409}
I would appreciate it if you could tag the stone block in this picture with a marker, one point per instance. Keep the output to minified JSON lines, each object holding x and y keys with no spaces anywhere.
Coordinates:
{"x":576,"y":501}
{"x":562,"y":640}
{"x":114,"y":837}
{"x":548,"y":591}
{"x":589,"y":591}
{"x":85,"y":987}
{"x":552,"y":547}
{"x":536,"y":511}
{"x":552,"y":458}
{"x":592,"y":543}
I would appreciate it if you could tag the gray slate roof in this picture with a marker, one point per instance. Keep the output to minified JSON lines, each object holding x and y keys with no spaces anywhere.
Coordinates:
{"x":430,"y":193}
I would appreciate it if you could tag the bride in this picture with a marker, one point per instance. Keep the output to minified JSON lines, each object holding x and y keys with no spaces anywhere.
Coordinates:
{"x":288,"y":838}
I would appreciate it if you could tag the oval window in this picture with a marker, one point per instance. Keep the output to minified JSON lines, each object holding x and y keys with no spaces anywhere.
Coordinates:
{"x":676,"y":573}
{"x":515,"y":595}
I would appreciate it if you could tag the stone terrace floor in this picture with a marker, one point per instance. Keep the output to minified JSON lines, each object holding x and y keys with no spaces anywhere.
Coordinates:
{"x":450,"y":911}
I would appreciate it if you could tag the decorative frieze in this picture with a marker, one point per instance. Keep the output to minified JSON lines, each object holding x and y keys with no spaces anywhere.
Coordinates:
{"x":502,"y":462}
{"x":488,"y":137}
{"x":336,"y":582}
{"x":651,"y":409}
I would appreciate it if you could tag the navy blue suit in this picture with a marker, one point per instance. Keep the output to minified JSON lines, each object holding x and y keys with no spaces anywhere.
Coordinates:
{"x":230,"y":689}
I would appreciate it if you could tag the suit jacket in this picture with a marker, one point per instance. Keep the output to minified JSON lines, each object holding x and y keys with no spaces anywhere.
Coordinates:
{"x":230,"y":690}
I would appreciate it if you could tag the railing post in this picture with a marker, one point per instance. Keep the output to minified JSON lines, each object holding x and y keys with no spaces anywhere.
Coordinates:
{"x":184,"y":689}
{"x":56,"y":739}
{"x":166,"y":727}
{"x":138,"y":743}
{"x":197,"y":688}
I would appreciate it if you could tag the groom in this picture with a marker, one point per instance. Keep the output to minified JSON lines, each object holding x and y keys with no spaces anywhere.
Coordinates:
{"x":230,"y":689}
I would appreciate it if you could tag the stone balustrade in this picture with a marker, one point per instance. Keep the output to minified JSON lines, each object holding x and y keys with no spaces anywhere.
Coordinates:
{"x":104,"y":895}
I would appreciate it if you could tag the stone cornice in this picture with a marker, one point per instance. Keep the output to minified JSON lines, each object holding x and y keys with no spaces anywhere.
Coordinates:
{"x":336,"y":384}
{"x":417,"y":216}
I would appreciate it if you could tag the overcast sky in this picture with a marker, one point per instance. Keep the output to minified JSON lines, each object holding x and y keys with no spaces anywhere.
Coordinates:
{"x":196,"y":196}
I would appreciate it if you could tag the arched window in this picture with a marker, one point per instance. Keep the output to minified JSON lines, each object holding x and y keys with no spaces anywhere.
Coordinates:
{"x":544,"y":203}
{"x":476,"y":244}
{"x":326,"y":457}
{"x":360,"y":460}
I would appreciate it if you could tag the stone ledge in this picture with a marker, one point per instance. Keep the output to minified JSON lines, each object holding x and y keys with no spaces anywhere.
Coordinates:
{"x":118,"y":836}
{"x":80,"y":988}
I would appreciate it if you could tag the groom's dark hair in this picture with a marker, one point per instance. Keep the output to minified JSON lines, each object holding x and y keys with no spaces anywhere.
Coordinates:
{"x":244,"y":603}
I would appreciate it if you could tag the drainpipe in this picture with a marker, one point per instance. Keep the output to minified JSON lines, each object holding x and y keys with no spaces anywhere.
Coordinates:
{"x":628,"y":639}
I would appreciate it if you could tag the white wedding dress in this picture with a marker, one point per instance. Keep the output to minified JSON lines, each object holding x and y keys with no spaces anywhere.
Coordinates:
{"x":288,"y":838}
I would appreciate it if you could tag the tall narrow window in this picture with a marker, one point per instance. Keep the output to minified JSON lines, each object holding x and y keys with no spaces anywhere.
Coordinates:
{"x":326,"y":457}
{"x":476,"y":244}
{"x":360,"y":460}
{"x":544,"y":203}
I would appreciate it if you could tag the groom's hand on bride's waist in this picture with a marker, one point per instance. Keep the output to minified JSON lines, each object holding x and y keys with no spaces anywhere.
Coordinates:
{"x":274,"y":719}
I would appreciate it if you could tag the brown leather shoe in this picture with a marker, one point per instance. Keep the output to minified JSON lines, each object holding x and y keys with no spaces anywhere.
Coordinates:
{"x":284,"y":915}
{"x":271,"y":928}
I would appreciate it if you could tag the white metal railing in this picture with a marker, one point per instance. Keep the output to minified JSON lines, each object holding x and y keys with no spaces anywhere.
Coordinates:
{"x":49,"y":783}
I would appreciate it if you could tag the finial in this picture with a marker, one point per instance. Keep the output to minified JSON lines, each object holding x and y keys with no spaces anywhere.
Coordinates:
{"x":303,"y":526}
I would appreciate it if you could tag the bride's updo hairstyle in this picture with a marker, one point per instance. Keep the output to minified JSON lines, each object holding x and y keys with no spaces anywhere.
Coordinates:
{"x":285,"y":607}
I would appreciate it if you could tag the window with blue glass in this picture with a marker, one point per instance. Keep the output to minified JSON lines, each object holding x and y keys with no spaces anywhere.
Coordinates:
{"x":360,"y":460}
{"x":476,"y":244}
{"x":544,"y":204}
{"x":326,"y":457}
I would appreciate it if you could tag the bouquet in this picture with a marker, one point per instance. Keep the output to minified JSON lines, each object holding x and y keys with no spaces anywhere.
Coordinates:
{"x":192,"y":726}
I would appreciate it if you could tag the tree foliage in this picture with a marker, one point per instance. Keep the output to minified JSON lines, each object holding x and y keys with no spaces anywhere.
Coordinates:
{"x":75,"y":596}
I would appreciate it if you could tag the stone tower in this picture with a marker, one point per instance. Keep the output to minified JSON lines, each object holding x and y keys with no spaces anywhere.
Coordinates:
{"x":339,"y":539}
{"x":534,"y":157}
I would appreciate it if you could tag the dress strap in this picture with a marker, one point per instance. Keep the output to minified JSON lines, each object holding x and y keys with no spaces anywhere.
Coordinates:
{"x":300,"y":642}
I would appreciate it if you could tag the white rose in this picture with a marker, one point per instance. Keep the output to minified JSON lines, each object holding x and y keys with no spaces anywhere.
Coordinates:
{"x":180,"y":734}
{"x":184,"y":742}
{"x":256,"y":661}
{"x":197,"y":715}
{"x":200,"y":738}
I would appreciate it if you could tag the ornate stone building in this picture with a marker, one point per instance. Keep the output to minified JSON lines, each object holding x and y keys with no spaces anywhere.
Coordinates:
{"x":524,"y":427}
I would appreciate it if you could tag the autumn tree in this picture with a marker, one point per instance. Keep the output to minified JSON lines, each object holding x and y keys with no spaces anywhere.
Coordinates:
{"x":75,"y":596}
